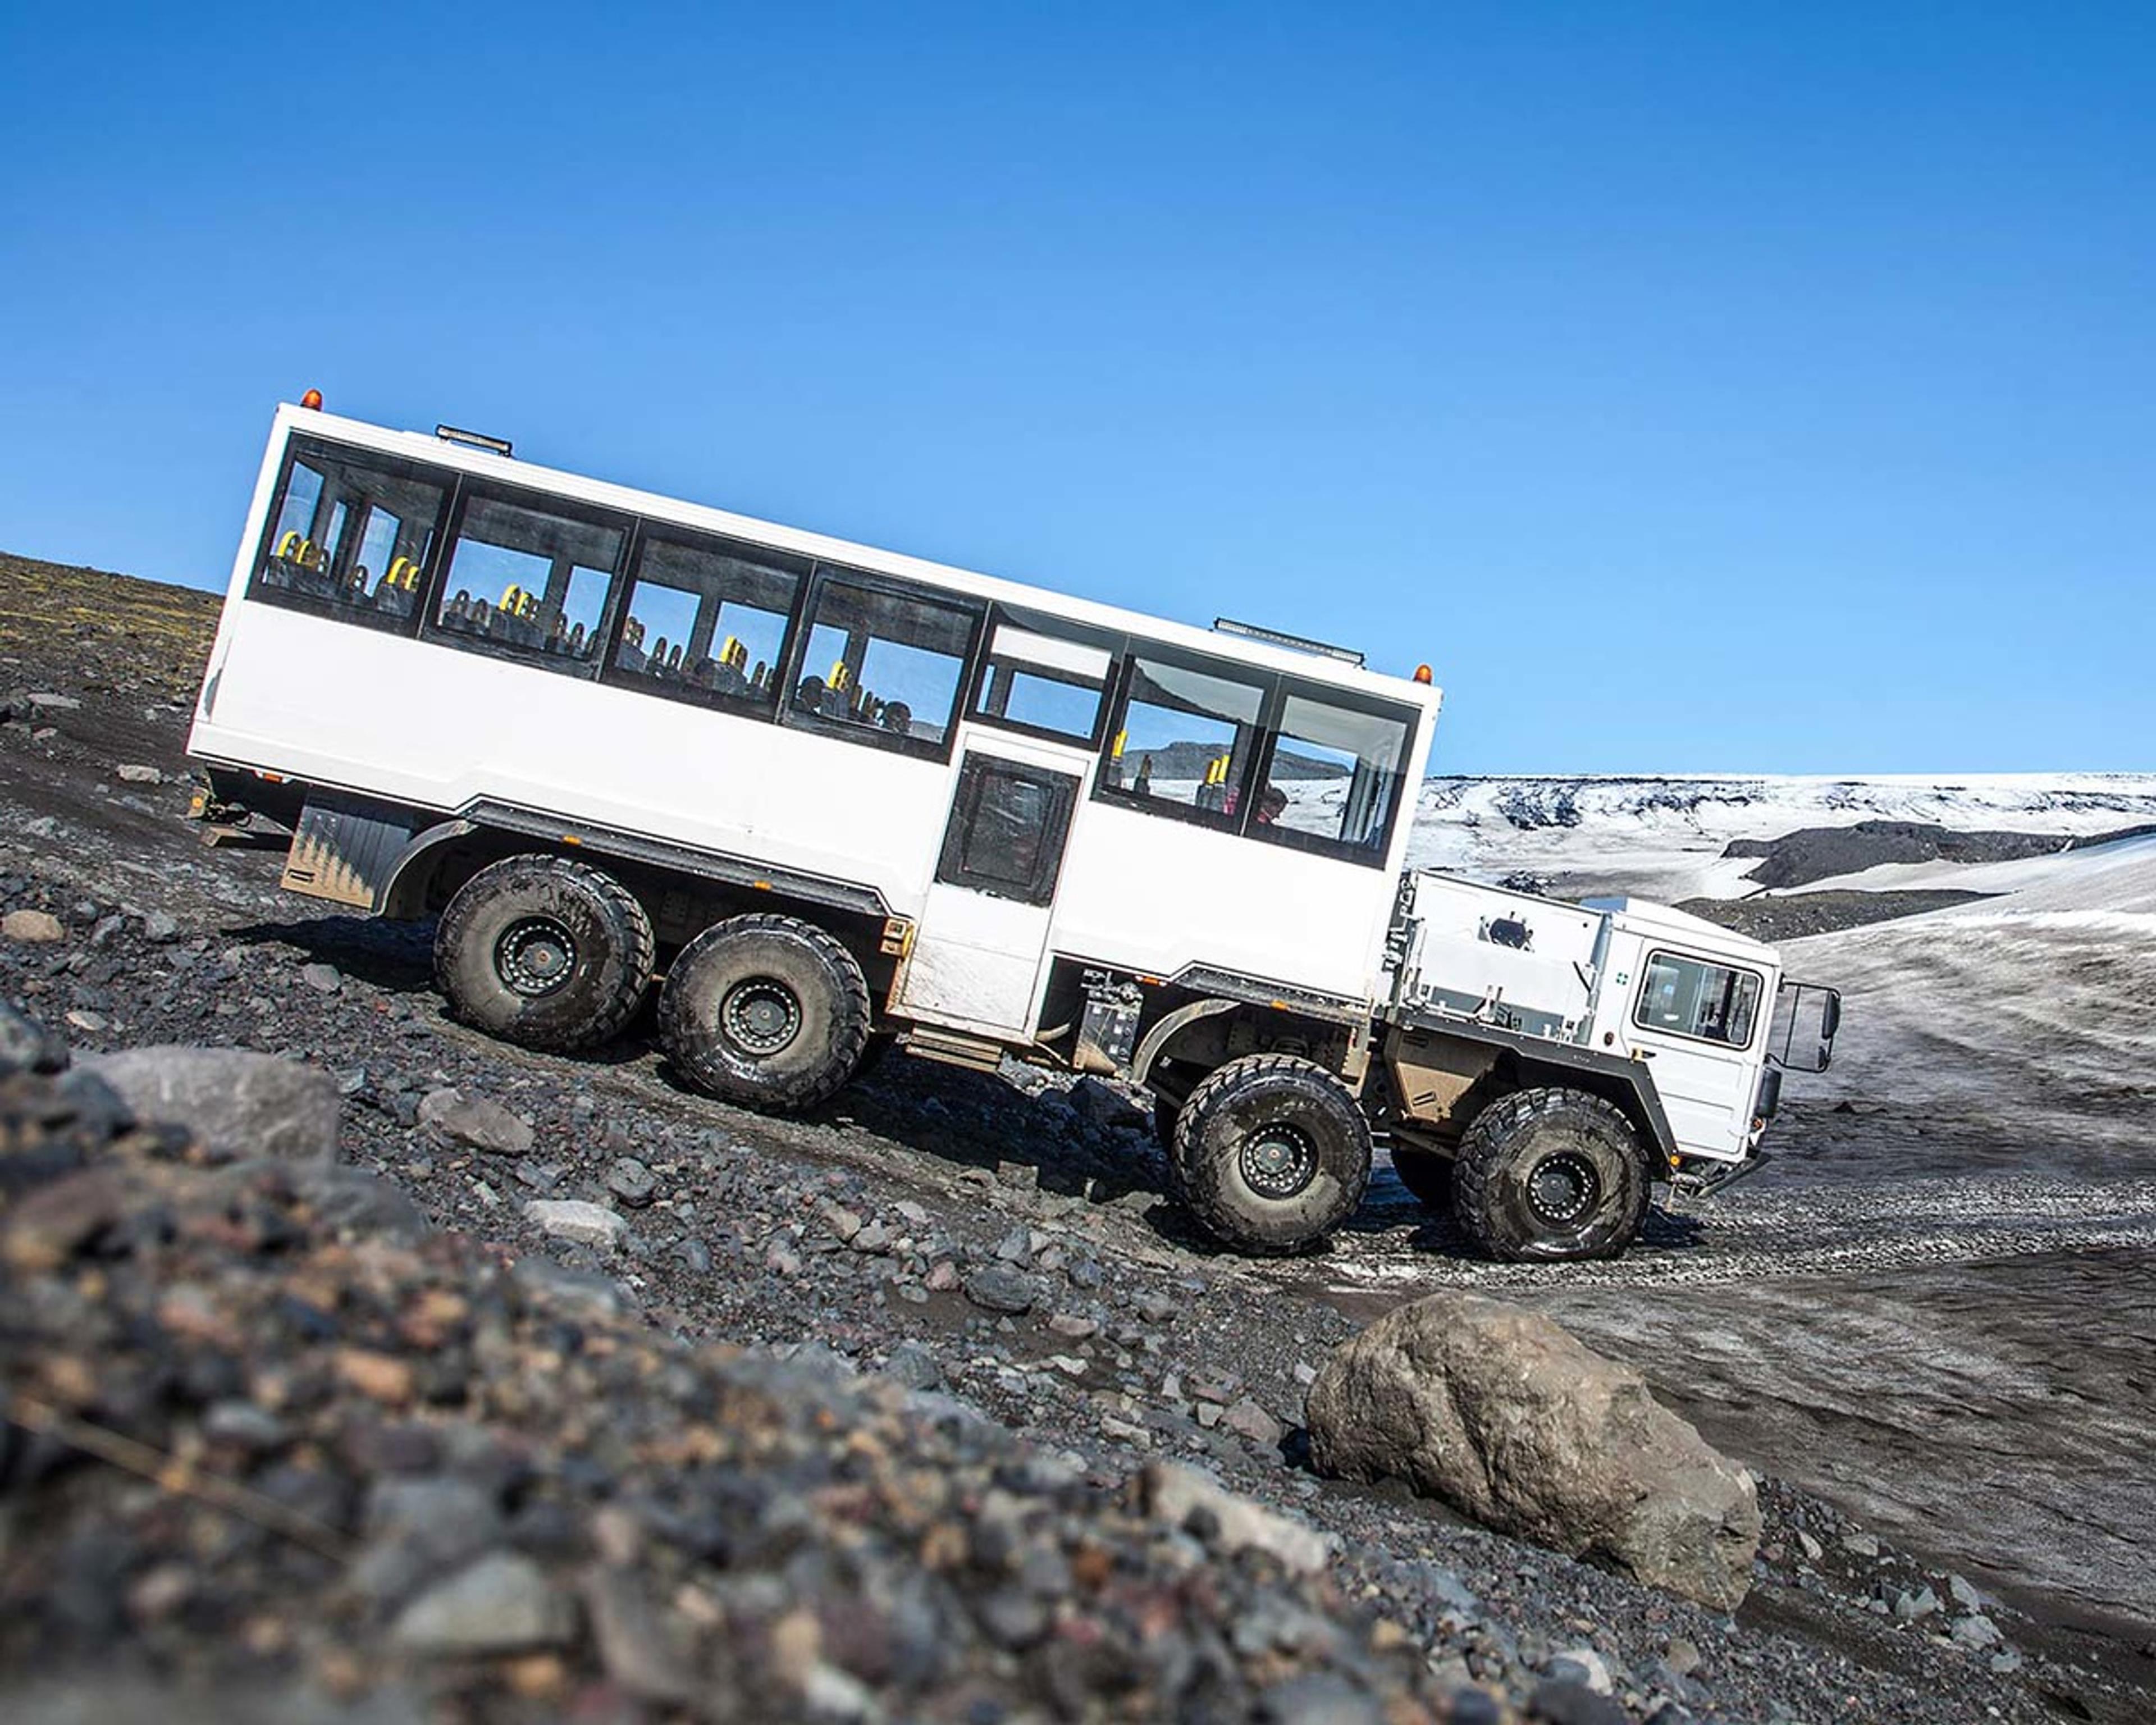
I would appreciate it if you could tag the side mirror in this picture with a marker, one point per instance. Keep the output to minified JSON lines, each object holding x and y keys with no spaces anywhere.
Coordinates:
{"x":1806,"y":1015}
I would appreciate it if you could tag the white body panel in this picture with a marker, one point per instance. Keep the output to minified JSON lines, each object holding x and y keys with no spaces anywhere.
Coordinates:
{"x":1463,"y":951}
{"x":429,"y":724}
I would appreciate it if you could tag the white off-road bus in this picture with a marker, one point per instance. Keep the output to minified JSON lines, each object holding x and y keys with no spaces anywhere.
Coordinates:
{"x":828,"y":797}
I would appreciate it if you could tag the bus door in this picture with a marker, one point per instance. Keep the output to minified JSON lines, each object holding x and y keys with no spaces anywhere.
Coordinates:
{"x":983,"y":933}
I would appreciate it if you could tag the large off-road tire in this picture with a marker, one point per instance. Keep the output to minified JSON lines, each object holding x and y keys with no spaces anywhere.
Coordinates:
{"x":544,"y":951}
{"x":1272,"y":1152}
{"x":766,"y":1011}
{"x":1550,"y":1175}
{"x":1424,"y":1173}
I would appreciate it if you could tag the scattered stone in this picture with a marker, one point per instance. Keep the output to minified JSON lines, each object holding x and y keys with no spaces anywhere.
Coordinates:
{"x":26,"y":1046}
{"x":135,"y":773}
{"x":44,"y":1229}
{"x":2006,"y":1662}
{"x":1071,"y":1325}
{"x":91,"y":1023}
{"x":1098,"y":1104}
{"x":1964,"y":1594}
{"x":33,"y":927}
{"x":1681,"y":1655}
{"x":1976,"y":1631}
{"x":592,"y":1224}
{"x":844,"y":1224}
{"x":322,"y":979}
{"x":1174,"y":1495}
{"x":942,"y":1277}
{"x":240,"y":1104}
{"x":1016,"y":1247}
{"x":1916,"y":1607}
{"x":160,"y":928}
{"x":49,"y":702}
{"x":498,"y":1604}
{"x":1556,"y":1701}
{"x":997,"y":1288}
{"x":478,"y":1122}
{"x":1248,"y":1420}
{"x":1499,"y":1412}
{"x":915,"y":1365}
{"x":1583,"y":1666}
{"x":1860,"y":1544}
{"x":1019,"y":1176}
{"x":639,"y":1650}
{"x":631,"y":1182}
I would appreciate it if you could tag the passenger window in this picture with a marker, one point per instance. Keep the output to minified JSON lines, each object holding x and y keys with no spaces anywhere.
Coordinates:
{"x":1688,"y":997}
{"x":530,"y":578}
{"x":706,"y":620}
{"x":886,"y":666}
{"x":1333,"y":777}
{"x":1181,"y":739}
{"x":350,"y":534}
{"x":1008,"y":825}
{"x":1043,"y":683}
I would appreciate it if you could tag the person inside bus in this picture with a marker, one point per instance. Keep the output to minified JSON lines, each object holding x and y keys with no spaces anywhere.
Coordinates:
{"x":1272,"y":803}
{"x":896,"y":718}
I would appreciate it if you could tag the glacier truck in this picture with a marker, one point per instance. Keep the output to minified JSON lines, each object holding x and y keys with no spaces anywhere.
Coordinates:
{"x":812,"y":799}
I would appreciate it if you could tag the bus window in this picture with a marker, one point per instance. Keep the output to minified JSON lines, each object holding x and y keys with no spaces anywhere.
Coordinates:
{"x":884,"y":666}
{"x":531,"y":579}
{"x":1043,"y":683}
{"x":706,"y":620}
{"x":351,"y":533}
{"x":1178,"y":742}
{"x":1333,"y":776}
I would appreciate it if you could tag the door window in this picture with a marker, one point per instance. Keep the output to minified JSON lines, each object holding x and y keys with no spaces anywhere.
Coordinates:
{"x":1008,"y":825}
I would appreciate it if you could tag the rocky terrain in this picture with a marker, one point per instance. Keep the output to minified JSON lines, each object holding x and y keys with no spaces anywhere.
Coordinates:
{"x":557,"y":1389}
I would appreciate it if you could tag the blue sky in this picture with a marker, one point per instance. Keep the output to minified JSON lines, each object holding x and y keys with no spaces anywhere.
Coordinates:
{"x":1698,"y":388}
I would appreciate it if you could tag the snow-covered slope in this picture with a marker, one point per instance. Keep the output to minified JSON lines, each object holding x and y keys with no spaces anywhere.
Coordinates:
{"x":2042,"y":997}
{"x":1663,"y":837}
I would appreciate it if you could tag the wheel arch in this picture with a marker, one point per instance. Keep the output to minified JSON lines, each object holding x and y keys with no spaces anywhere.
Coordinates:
{"x":1531,"y":1062}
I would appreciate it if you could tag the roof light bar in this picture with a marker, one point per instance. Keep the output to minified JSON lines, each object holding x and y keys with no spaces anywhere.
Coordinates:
{"x":1253,"y":632}
{"x":474,"y":440}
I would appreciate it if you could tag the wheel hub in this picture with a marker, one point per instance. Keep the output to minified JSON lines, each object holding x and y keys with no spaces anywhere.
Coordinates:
{"x":1278,"y":1160}
{"x":1564,"y":1188}
{"x":534,"y":956}
{"x":760,"y":1016}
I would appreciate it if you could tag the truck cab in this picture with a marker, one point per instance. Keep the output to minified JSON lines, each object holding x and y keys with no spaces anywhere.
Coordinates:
{"x":1543,"y":1063}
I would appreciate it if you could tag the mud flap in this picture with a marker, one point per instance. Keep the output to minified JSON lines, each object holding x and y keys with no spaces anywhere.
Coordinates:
{"x":344,"y":848}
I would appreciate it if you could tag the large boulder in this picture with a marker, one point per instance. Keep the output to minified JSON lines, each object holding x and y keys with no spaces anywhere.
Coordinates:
{"x":1503,"y":1415}
{"x":239,"y":1103}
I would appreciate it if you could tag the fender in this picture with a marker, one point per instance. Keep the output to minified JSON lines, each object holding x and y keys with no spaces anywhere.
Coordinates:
{"x":394,"y":898}
{"x":1162,"y":1033}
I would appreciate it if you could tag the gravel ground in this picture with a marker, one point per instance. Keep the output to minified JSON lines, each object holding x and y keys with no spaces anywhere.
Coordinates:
{"x":998,"y":1242}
